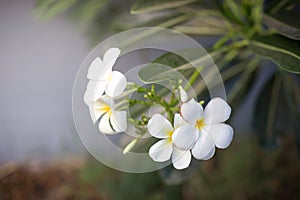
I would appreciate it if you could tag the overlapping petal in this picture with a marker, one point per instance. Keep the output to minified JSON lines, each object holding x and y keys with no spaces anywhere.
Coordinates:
{"x":116,"y":84}
{"x":178,"y":121}
{"x":159,"y":126}
{"x":181,"y":159}
{"x":191,"y":111}
{"x":203,"y":146}
{"x":216,"y":111}
{"x":161,"y":151}
{"x":111,"y":56}
{"x":96,"y":69}
{"x":101,"y":69}
{"x":185,"y":136}
{"x":94,"y":91}
{"x":210,"y":154}
{"x":100,"y":107}
{"x":104,"y":124}
{"x":118,"y":121}
{"x":102,"y":78}
{"x":222,"y":134}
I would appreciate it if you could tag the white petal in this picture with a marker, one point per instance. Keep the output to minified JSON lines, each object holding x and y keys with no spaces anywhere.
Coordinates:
{"x":181,"y":159}
{"x":104,"y":101}
{"x":95,"y":113}
{"x":210,"y":154}
{"x":161,"y":151}
{"x":185,"y":136}
{"x":111,"y":55}
{"x":99,"y":107}
{"x":118,"y":121}
{"x":104,"y":125}
{"x":116,"y":84}
{"x":178,"y":121}
{"x":159,"y":126}
{"x":203,"y":146}
{"x":96,"y":69}
{"x":191,"y":111}
{"x":216,"y":111}
{"x":222,"y":134}
{"x":183,"y":95}
{"x":94,"y":91}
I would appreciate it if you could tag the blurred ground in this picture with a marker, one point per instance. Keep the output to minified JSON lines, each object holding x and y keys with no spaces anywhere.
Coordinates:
{"x":244,"y":171}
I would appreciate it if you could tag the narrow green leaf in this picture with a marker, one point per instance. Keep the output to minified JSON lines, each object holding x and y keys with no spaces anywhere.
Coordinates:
{"x":145,"y":6}
{"x":158,"y":73}
{"x":49,"y":9}
{"x":283,"y":51}
{"x":284,"y":25}
{"x":206,"y":22}
{"x":233,"y":11}
{"x":89,"y":10}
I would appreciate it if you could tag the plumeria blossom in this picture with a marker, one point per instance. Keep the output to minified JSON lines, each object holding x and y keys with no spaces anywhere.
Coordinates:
{"x":164,"y":149}
{"x":205,"y":129}
{"x":102,"y":78}
{"x":111,"y":120}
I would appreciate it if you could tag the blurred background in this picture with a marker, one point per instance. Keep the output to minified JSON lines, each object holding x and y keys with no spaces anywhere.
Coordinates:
{"x":39,"y":60}
{"x":42,"y":46}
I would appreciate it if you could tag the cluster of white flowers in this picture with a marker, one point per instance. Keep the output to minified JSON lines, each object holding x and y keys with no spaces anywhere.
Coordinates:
{"x":195,"y":131}
{"x":103,"y":87}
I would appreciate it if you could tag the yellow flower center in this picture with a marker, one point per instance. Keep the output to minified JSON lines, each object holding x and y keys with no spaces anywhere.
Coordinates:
{"x":106,"y":109}
{"x":109,"y":78}
{"x":199,"y":124}
{"x":170,"y":133}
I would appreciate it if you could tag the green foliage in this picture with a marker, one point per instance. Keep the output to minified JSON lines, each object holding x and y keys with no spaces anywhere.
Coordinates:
{"x":284,"y":25}
{"x":144,"y":6}
{"x":98,"y":17}
{"x":250,"y":32}
{"x":283,"y":51}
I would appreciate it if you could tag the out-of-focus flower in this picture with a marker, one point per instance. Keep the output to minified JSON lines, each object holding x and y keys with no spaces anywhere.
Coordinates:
{"x":102,"y":78}
{"x":183,"y":94}
{"x":205,"y":129}
{"x":161,"y":151}
{"x":111,"y":121}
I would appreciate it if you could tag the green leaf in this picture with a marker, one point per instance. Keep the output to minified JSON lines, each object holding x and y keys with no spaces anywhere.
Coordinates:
{"x":49,"y":9}
{"x":206,"y":22}
{"x":233,"y":11}
{"x":284,"y":23}
{"x":145,"y":6}
{"x":161,"y":69}
{"x":158,"y":73}
{"x":283,"y":51}
{"x":89,"y":10}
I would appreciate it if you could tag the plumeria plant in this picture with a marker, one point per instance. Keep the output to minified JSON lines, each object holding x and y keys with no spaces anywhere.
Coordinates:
{"x":195,"y":131}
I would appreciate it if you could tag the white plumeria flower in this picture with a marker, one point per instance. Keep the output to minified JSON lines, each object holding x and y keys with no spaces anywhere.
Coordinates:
{"x":161,"y":151}
{"x":102,"y":78}
{"x":111,"y":121}
{"x":205,"y":129}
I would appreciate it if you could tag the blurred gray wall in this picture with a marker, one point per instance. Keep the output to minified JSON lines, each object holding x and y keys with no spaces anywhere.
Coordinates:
{"x":38,"y":64}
